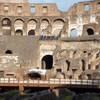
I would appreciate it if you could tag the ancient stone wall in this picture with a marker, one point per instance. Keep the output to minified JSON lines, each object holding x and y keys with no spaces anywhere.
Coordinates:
{"x":13,"y":1}
{"x":64,"y":43}
{"x":26,"y":48}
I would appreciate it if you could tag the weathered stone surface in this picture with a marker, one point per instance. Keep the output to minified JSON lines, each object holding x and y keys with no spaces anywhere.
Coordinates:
{"x":46,"y":38}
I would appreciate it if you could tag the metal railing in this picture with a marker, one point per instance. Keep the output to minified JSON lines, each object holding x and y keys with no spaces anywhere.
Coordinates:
{"x":50,"y":81}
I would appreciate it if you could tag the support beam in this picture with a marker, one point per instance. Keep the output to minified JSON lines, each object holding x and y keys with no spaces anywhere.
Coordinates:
{"x":21,"y":89}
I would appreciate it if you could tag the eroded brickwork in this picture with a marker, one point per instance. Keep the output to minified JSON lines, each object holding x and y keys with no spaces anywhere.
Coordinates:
{"x":66,"y":44}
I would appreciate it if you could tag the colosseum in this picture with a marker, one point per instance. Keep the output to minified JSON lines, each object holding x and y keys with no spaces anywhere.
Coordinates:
{"x":64,"y":44}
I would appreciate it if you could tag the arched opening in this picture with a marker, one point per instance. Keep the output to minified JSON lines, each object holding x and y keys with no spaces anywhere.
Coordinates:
{"x":31,"y":25}
{"x":8,"y":52}
{"x":19,"y":32}
{"x":31,"y":32}
{"x":73,"y":33}
{"x":6,"y":22}
{"x":58,"y":23}
{"x":90,"y":31}
{"x":44,"y":24}
{"x":6,"y":26}
{"x":18,"y":25}
{"x":47,"y":62}
{"x":57,"y":26}
{"x":86,"y":7}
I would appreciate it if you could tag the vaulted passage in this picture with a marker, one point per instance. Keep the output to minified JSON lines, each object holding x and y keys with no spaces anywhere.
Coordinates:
{"x":47,"y":62}
{"x":90,"y":31}
{"x":31,"y":32}
{"x":18,"y":26}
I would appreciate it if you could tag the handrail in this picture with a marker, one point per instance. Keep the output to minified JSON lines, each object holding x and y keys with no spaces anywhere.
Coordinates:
{"x":49,"y":81}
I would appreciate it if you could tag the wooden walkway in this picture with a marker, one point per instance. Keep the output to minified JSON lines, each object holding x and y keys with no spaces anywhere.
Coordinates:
{"x":50,"y":83}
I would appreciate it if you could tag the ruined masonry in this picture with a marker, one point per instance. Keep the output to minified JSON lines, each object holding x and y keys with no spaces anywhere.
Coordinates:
{"x":39,"y":36}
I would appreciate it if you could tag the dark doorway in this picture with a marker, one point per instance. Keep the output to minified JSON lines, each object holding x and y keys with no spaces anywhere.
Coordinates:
{"x":89,"y":76}
{"x":8,"y":52}
{"x":68,"y":64}
{"x":19,"y":32}
{"x":47,"y":62}
{"x":90,"y":31}
{"x":59,"y":70}
{"x":83,"y":65}
{"x":31,"y":32}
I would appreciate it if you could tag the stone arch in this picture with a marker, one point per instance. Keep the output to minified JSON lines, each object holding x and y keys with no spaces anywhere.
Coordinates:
{"x":44,"y":24}
{"x":44,"y":27}
{"x":57,"y":26}
{"x":63,"y":20}
{"x":47,"y":19}
{"x":6,"y":22}
{"x":19,"y":32}
{"x":90,"y":31}
{"x":20,"y":18}
{"x":19,"y":24}
{"x":6,"y":26}
{"x":31,"y":25}
{"x":47,"y":62}
{"x":73,"y":32}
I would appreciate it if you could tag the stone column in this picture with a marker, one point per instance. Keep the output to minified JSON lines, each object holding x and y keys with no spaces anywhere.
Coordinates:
{"x":37,"y":29}
{"x":25,"y":28}
{"x":1,"y":31}
{"x":43,"y":65}
{"x":12,"y":28}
